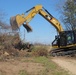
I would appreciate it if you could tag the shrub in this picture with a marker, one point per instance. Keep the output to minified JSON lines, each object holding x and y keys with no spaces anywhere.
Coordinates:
{"x":40,"y":51}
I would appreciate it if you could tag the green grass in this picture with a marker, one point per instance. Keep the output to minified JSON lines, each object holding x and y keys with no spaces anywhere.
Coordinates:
{"x":50,"y":67}
{"x":23,"y":72}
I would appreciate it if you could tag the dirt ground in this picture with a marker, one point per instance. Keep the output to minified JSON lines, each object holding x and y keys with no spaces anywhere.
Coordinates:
{"x":15,"y":66}
{"x":67,"y":63}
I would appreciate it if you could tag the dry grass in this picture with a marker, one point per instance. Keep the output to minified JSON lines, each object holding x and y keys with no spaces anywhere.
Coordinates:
{"x":39,"y":51}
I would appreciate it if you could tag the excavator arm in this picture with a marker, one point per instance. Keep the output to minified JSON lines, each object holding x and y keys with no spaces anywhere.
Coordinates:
{"x":18,"y":20}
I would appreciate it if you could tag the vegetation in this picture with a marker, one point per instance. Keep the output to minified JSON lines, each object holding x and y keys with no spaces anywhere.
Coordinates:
{"x":39,"y":51}
{"x":23,"y":72}
{"x":50,"y":67}
{"x":69,"y":12}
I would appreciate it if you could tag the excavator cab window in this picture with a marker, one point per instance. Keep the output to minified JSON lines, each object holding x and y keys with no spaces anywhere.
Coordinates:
{"x":70,"y":37}
{"x":67,"y":38}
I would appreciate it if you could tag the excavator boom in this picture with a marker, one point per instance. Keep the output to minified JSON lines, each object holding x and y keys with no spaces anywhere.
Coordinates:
{"x":18,"y":20}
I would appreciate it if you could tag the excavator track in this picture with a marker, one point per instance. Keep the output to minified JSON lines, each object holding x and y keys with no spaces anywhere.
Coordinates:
{"x":63,"y":52}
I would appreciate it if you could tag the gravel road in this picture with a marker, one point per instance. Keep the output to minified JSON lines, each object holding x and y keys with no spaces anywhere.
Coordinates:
{"x":68,"y":64}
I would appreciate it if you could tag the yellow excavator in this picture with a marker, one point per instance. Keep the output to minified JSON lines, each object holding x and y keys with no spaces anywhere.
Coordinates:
{"x":63,"y":44}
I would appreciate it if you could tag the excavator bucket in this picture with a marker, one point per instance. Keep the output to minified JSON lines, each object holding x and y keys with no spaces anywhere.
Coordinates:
{"x":27,"y":27}
{"x":13,"y":23}
{"x":17,"y":21}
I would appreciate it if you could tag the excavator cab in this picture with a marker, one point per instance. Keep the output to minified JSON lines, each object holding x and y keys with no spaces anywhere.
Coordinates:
{"x":65,"y":38}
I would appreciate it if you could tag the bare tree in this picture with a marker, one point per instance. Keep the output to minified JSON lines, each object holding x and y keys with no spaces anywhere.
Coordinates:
{"x":4,"y":27}
{"x":69,"y":14}
{"x":67,"y":9}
